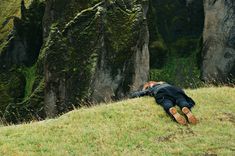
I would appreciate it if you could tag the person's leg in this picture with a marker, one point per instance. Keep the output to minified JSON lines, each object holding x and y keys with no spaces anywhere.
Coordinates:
{"x":166,"y":104}
{"x":186,"y":109}
{"x":171,"y":110}
{"x":181,"y":102}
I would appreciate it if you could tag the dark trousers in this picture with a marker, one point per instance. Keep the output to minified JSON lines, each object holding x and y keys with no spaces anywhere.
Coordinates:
{"x":167,"y":103}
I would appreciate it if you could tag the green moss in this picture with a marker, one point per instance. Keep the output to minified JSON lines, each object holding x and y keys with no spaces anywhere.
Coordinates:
{"x":121,"y":35}
{"x":19,"y":80}
{"x":182,"y":72}
{"x":68,"y":9}
{"x":181,"y":67}
{"x":70,"y":61}
{"x":75,"y":50}
{"x":175,"y":43}
{"x":30,"y":108}
{"x":29,"y":74}
{"x":27,"y":100}
{"x":185,"y":46}
{"x":11,"y":88}
{"x":4,"y":99}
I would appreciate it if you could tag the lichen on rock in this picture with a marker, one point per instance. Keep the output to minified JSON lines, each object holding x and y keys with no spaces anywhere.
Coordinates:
{"x":94,"y":56}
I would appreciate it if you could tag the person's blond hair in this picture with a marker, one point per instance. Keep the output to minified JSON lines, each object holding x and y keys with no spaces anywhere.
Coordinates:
{"x":150,"y":84}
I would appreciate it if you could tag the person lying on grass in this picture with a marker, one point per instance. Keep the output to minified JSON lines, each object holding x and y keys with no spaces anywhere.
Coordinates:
{"x":168,"y":96}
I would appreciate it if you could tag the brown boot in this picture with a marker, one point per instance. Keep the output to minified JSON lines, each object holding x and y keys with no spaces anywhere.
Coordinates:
{"x":179,"y":118}
{"x":191,"y":118}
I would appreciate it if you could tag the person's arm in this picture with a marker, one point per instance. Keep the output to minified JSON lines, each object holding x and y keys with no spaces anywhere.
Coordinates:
{"x":139,"y":94}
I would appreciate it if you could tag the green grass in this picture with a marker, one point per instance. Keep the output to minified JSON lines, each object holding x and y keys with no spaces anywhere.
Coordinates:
{"x":29,"y":74}
{"x":131,"y":127}
{"x":179,"y":71}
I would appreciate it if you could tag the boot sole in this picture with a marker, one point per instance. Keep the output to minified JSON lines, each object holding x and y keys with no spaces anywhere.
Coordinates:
{"x":191,"y":118}
{"x":179,"y":118}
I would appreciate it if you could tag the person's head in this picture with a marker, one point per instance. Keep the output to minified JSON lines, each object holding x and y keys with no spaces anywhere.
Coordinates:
{"x":150,"y":84}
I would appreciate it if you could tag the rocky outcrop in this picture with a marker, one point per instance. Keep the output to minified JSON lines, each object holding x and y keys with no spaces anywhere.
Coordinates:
{"x":21,"y":79}
{"x":218,"y":64}
{"x":25,"y":41}
{"x":122,"y":68}
{"x":99,"y":55}
{"x":93,"y":51}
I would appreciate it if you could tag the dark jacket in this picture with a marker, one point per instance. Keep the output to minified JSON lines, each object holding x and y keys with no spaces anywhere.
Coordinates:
{"x":164,"y":91}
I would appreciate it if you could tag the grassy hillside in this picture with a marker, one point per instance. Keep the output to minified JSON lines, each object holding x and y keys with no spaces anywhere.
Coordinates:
{"x":131,"y":127}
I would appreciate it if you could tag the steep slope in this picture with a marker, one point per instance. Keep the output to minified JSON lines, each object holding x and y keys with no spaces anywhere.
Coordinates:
{"x":131,"y":127}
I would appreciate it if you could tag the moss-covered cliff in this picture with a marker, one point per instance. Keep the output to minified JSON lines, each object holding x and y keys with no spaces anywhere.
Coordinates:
{"x":21,"y":72}
{"x":66,"y":53}
{"x":96,"y":56}
{"x":93,"y":51}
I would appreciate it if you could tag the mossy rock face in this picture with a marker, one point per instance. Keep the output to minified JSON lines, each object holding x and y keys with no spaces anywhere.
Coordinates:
{"x":27,"y":102}
{"x":21,"y":69}
{"x":11,"y":88}
{"x":63,"y":11}
{"x":175,"y":34}
{"x":24,"y":43}
{"x":31,"y":108}
{"x":97,"y":55}
{"x":90,"y":47}
{"x":126,"y":48}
